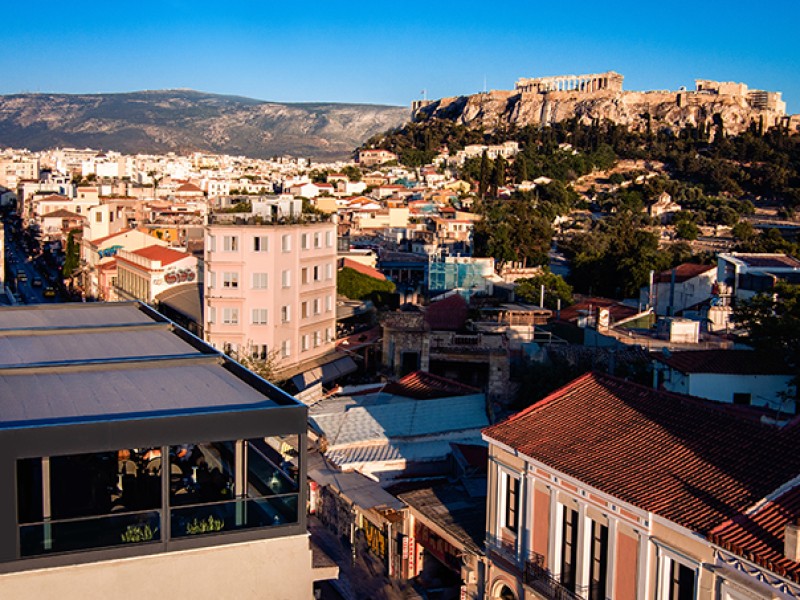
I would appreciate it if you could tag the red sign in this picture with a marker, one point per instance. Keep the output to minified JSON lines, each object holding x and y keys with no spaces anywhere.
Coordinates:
{"x":180,"y":276}
{"x":412,"y":555}
{"x":439,"y":547}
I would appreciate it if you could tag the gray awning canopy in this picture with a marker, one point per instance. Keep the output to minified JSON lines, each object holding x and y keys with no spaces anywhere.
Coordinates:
{"x":325,"y":373}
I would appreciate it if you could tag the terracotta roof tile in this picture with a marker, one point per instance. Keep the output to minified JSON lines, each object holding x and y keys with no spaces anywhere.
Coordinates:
{"x":728,"y":362}
{"x":363,"y":269}
{"x":760,"y":534}
{"x":683,"y":272}
{"x":99,"y":241}
{"x":448,"y":314}
{"x":189,"y":187}
{"x":683,"y":458}
{"x":423,"y":386}
{"x":63,"y":214}
{"x":165,"y":255}
{"x":617,"y":311}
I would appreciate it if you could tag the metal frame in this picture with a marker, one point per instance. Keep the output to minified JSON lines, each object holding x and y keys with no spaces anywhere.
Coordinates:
{"x":281,"y":414}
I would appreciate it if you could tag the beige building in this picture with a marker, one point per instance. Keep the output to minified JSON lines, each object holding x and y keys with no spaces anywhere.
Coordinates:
{"x":144,"y":274}
{"x":270,"y":288}
{"x":370,"y":158}
{"x":98,"y":260}
{"x":606,"y":489}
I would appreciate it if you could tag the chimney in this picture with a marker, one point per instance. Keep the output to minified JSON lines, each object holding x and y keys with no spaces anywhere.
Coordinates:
{"x":791,"y":541}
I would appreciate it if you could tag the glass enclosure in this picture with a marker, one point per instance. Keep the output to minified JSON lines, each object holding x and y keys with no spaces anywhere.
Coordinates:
{"x":86,"y":501}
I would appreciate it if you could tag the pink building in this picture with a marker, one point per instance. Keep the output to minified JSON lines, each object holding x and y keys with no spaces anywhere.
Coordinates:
{"x":270,"y":289}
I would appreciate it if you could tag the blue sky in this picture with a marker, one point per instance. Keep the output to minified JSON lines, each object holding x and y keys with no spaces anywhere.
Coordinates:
{"x":387,"y":52}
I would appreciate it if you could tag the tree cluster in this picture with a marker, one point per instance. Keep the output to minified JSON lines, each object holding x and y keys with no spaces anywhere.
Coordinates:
{"x":616,"y":256}
{"x":357,"y":286}
{"x":512,"y":231}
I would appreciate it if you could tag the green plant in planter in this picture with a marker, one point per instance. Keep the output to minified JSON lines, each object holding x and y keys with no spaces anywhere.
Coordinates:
{"x":209,"y":525}
{"x":138,"y":533}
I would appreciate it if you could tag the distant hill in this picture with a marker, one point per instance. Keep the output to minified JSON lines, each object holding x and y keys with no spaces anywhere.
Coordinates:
{"x":184,"y":121}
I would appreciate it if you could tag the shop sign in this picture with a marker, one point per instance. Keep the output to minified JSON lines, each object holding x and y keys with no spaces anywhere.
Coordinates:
{"x":179,"y":276}
{"x":376,"y":539}
{"x":438,"y":547}
{"x":111,"y":251}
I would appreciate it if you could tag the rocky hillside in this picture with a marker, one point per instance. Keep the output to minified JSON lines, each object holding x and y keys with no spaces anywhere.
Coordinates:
{"x":185,"y":121}
{"x":675,"y":110}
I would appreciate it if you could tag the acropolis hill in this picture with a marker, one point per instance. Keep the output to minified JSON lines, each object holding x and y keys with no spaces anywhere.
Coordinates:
{"x":545,"y":100}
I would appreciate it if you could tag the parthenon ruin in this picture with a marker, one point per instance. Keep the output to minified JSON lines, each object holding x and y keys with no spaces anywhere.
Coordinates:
{"x":610,"y":80}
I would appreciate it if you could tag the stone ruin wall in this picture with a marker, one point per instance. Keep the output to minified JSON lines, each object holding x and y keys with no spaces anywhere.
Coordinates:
{"x":526,"y":105}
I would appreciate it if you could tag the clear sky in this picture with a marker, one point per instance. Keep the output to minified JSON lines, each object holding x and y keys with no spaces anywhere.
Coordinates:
{"x":388,"y":52}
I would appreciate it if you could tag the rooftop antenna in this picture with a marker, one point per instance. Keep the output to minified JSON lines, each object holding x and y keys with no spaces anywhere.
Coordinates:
{"x":484,"y":83}
{"x":424,"y":94}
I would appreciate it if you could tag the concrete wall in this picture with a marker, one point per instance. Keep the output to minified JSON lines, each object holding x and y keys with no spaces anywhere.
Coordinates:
{"x":279,"y":569}
{"x":763,"y":388}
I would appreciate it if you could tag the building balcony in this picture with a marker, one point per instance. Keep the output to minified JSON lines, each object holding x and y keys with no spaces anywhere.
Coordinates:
{"x":543,"y":582}
{"x":267,"y":219}
{"x":503,"y":548}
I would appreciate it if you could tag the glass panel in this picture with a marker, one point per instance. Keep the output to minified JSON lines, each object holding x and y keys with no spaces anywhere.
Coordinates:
{"x":84,"y":485}
{"x":269,"y":467}
{"x":201,"y":473}
{"x":234,"y":515}
{"x":88,"y":533}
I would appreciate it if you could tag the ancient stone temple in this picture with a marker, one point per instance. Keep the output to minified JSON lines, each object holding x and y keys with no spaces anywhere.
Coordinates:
{"x":610,"y":80}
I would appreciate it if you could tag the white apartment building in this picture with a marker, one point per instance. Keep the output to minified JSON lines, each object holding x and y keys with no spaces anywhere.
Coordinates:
{"x":270,"y":289}
{"x":143,"y":274}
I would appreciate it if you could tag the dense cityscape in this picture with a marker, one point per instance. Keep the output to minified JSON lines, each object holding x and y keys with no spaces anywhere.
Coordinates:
{"x":536,"y":343}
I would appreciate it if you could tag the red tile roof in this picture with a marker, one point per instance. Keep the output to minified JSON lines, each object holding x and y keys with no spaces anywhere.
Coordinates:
{"x":425,"y":386}
{"x":767,"y":261}
{"x":683,"y":272}
{"x":165,"y":255}
{"x":448,"y":314}
{"x":726,"y":362}
{"x":683,"y":458}
{"x":760,"y":534}
{"x":617,"y":311}
{"x":363,"y":269}
{"x":189,"y":187}
{"x":99,"y":241}
{"x":359,"y":340}
{"x":64,"y":214}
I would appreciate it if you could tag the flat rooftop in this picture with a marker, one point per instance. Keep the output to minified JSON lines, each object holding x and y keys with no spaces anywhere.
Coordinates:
{"x":74,"y":363}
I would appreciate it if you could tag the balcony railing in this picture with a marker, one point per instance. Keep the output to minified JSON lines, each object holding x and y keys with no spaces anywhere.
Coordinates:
{"x":104,"y":531}
{"x":504,"y":547}
{"x":544,"y":582}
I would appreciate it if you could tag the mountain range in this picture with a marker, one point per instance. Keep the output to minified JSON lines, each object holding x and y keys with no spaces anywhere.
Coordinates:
{"x":185,"y":121}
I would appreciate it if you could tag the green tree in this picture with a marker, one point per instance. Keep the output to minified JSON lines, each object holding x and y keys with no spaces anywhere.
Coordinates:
{"x":772,"y":323}
{"x":265,"y":366}
{"x":498,"y":175}
{"x":743,"y":231}
{"x":357,"y":286}
{"x":555,"y":289}
{"x":484,"y":177}
{"x":616,"y":256}
{"x":687,"y":230}
{"x":352,"y":172}
{"x":512,"y":230}
{"x":71,"y":255}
